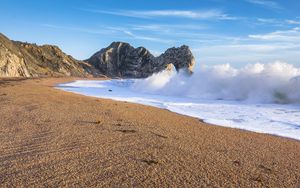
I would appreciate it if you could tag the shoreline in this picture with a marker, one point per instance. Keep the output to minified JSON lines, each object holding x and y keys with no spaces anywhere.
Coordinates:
{"x":60,"y":138}
{"x":240,"y":129}
{"x":200,"y":120}
{"x":64,"y":87}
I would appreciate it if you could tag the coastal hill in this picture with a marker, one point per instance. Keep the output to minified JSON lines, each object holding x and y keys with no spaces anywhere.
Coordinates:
{"x":119,"y":59}
{"x":19,"y":59}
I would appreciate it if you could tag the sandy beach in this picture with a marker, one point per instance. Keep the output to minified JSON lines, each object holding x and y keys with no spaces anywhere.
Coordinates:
{"x":54,"y":138}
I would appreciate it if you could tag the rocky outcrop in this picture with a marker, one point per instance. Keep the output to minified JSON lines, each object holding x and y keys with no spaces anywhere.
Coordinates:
{"x":181,"y":58}
{"x":120,"y":59}
{"x":18,"y":59}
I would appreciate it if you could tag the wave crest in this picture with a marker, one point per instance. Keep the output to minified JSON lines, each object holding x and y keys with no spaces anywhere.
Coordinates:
{"x":276,"y":82}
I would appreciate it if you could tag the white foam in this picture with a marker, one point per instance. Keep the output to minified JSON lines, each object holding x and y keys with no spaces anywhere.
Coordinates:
{"x":259,"y":83}
{"x":277,"y":119}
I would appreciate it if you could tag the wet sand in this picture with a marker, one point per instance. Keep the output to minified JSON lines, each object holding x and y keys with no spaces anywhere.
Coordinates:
{"x":54,"y":138}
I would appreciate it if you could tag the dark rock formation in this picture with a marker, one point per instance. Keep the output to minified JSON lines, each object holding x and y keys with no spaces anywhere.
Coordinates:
{"x":18,"y":59}
{"x":181,"y":58}
{"x":122,"y":60}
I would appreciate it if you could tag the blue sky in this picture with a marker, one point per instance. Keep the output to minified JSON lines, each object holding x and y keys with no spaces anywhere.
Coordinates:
{"x":238,"y":32}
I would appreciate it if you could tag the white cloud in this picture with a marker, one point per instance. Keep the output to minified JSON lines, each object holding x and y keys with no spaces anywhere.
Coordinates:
{"x":267,"y":47}
{"x":204,"y":14}
{"x":266,"y":3}
{"x":295,"y":22}
{"x":292,"y":35}
{"x":167,"y":27}
{"x":129,"y":33}
{"x":247,"y":53}
{"x":267,"y":20}
{"x":278,"y":22}
{"x":271,"y":21}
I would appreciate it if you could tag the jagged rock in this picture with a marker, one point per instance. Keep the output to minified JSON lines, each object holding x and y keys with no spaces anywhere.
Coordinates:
{"x":120,"y":59}
{"x":18,"y":59}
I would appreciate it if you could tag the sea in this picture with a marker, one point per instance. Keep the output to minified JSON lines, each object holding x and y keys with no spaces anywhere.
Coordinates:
{"x":263,"y":98}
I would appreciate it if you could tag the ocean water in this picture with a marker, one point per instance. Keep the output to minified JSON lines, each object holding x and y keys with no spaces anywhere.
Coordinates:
{"x":263,"y":98}
{"x":277,"y":119}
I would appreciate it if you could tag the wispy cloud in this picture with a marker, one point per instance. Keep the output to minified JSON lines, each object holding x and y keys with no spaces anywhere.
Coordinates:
{"x":277,"y":22}
{"x":77,"y":29}
{"x":139,"y":37}
{"x":269,"y":20}
{"x":294,"y":22}
{"x":164,"y":27}
{"x":204,"y":14}
{"x":108,"y":30}
{"x":292,"y":35}
{"x":266,"y":3}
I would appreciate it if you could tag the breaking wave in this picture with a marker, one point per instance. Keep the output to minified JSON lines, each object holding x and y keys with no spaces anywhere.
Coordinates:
{"x":276,"y":82}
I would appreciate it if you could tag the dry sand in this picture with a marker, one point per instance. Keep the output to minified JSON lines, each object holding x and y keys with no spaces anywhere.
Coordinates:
{"x":54,"y":138}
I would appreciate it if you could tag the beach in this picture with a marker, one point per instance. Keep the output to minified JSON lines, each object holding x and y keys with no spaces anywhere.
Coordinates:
{"x":54,"y":138}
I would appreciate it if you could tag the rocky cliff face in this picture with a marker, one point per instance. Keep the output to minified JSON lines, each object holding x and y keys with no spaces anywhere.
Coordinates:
{"x":18,"y":59}
{"x":122,"y":60}
{"x":11,"y":62}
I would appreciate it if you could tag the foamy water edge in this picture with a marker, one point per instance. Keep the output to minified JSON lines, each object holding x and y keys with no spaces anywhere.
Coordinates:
{"x":286,"y":124}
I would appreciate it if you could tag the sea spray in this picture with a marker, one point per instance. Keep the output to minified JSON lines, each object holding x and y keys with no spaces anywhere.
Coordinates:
{"x":257,"y":83}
